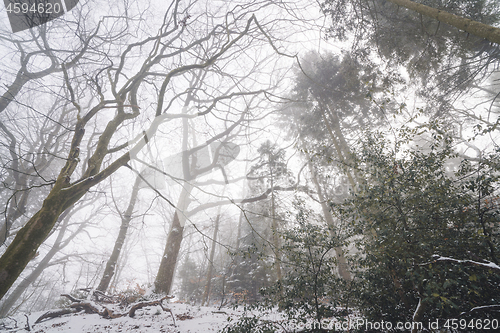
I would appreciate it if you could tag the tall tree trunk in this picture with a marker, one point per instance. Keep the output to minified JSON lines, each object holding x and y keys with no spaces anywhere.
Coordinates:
{"x":343,"y":267}
{"x":165,"y":276}
{"x":166,"y":271}
{"x":275,"y":230}
{"x":211,"y":260}
{"x":339,"y":150}
{"x":238,"y":233}
{"x":476,"y":28}
{"x":24,"y":246}
{"x":109,"y":271}
{"x":343,"y":151}
{"x":238,"y":257}
{"x":242,"y":214}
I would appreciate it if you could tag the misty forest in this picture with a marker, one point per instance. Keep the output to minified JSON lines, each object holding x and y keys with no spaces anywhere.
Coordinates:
{"x":307,"y":162}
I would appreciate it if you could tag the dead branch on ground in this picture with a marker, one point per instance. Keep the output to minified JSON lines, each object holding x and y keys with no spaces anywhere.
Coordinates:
{"x":79,"y":305}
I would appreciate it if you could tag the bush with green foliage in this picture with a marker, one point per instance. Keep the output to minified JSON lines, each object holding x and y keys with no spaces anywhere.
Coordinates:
{"x":410,"y":214}
{"x":310,"y":288}
{"x":246,"y":324}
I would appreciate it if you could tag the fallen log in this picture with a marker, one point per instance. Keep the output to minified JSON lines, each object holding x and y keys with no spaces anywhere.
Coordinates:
{"x":55,"y":314}
{"x":79,"y":305}
{"x":140,"y":305}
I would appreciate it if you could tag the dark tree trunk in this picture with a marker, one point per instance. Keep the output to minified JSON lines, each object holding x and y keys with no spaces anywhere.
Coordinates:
{"x":166,"y":271}
{"x":40,"y":267}
{"x":165,"y":276}
{"x":24,"y":246}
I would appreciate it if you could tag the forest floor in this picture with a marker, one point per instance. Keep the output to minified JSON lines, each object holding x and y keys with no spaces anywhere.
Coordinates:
{"x":188,"y":319}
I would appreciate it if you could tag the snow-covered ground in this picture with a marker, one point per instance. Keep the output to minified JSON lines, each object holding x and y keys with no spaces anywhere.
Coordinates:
{"x":188,"y":319}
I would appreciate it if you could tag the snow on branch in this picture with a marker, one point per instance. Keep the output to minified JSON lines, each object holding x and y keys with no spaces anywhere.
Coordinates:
{"x":494,"y":307}
{"x":486,"y":264}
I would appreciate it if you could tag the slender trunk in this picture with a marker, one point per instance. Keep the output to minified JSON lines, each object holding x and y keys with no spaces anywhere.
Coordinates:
{"x":211,"y":261}
{"x":275,"y":227}
{"x":238,"y":233}
{"x":343,"y":151}
{"x":338,"y":148}
{"x":122,"y":262}
{"x":242,"y":217}
{"x":109,"y":271}
{"x":343,"y":267}
{"x":166,"y":271}
{"x":476,"y":28}
{"x":17,"y":207}
{"x":418,"y":314}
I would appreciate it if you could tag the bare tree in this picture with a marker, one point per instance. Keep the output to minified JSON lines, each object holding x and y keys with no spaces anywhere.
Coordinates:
{"x":131,"y":84}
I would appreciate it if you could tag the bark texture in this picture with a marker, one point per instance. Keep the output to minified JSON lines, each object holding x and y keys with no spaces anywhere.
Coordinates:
{"x":24,"y":246}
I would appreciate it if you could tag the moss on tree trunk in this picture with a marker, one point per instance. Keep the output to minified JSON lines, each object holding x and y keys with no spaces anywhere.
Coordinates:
{"x":476,"y":28}
{"x":24,"y":246}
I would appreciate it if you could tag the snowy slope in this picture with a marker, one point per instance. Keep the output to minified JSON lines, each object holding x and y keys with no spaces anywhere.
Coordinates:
{"x":148,"y":320}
